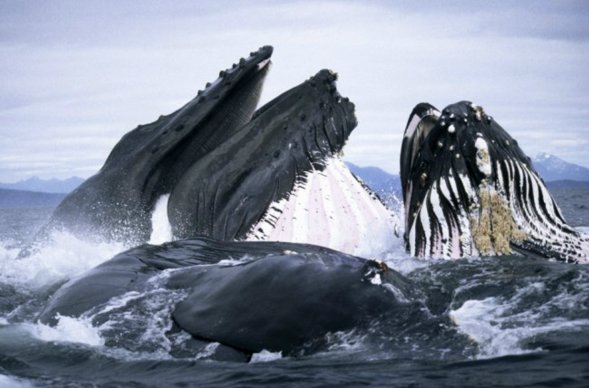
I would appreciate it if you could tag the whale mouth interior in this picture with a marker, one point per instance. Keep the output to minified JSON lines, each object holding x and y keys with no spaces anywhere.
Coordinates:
{"x":263,"y":63}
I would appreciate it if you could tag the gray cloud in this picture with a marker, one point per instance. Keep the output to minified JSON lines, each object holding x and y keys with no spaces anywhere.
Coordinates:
{"x":76,"y":76}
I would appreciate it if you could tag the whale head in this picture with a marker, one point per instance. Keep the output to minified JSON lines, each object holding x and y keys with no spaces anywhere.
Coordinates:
{"x":229,"y":190}
{"x":149,"y":161}
{"x":230,"y":173}
{"x":469,"y":189}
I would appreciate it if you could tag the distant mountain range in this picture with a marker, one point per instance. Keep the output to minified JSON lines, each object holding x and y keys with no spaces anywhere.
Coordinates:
{"x":376,"y":178}
{"x":552,"y":168}
{"x":10,"y":199}
{"x":555,"y":172}
{"x":45,"y":186}
{"x":36,"y":192}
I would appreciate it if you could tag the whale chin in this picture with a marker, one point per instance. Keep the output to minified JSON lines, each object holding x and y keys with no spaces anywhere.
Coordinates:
{"x":470,"y":190}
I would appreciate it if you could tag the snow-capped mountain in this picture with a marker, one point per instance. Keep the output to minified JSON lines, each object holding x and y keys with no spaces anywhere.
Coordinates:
{"x":552,"y":168}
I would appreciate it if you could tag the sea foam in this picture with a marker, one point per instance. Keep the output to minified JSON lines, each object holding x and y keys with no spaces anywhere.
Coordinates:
{"x":63,"y":257}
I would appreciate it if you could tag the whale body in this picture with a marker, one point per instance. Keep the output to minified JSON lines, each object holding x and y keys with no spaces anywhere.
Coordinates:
{"x":247,"y":296}
{"x":470,"y":190}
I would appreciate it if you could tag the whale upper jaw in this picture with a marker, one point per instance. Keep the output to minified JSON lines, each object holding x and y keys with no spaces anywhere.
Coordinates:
{"x":470,"y":190}
{"x":116,"y":203}
{"x":293,"y":134}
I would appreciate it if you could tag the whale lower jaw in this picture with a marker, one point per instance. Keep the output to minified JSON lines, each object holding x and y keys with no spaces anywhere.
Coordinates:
{"x":331,"y":208}
{"x":495,"y":222}
{"x":546,"y":233}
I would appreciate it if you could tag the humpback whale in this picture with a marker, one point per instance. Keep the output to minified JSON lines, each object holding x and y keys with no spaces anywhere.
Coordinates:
{"x":116,"y":203}
{"x":273,"y":296}
{"x":233,"y":173}
{"x":280,"y":178}
{"x":470,"y":190}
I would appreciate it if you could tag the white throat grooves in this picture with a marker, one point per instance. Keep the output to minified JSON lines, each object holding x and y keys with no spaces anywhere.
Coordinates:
{"x":331,"y":209}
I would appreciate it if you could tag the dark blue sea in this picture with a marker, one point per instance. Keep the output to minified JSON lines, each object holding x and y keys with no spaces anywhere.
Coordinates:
{"x":509,"y":321}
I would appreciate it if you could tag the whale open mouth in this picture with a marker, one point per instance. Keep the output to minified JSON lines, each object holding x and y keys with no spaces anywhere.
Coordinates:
{"x":470,"y":190}
{"x":261,"y":164}
{"x":216,"y":114}
{"x":227,"y":167}
{"x":149,"y":161}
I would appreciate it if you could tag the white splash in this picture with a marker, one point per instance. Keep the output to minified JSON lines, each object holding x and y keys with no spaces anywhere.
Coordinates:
{"x":63,"y":257}
{"x":161,"y":230}
{"x":68,"y":329}
{"x":12,"y":382}
{"x":265,"y":356}
{"x":476,"y":319}
{"x":346,"y":341}
{"x":208,"y":351}
{"x":500,"y":330}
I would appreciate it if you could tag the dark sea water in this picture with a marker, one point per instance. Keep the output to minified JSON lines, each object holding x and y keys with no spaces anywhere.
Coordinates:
{"x":510,"y":321}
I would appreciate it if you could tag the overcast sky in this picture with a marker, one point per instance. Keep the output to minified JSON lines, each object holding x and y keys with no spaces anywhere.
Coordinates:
{"x":76,"y":75}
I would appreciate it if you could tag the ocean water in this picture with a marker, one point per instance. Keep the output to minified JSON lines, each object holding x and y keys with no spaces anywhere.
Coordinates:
{"x":510,"y":321}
